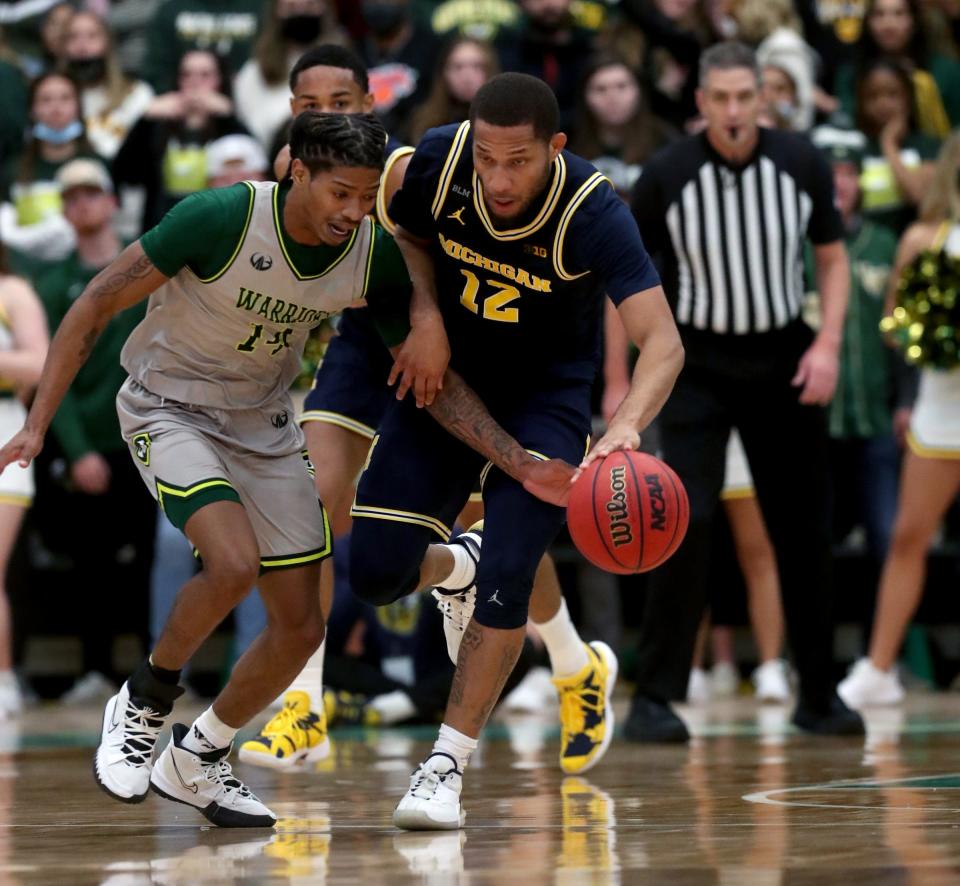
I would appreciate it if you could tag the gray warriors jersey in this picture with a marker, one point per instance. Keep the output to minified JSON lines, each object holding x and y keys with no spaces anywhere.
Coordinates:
{"x":234,"y":340}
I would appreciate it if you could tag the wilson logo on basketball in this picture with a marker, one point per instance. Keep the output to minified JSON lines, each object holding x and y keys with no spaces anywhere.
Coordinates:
{"x":620,"y":533}
{"x":658,"y":507}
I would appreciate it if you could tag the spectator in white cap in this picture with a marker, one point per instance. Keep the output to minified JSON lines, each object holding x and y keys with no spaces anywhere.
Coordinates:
{"x":235,"y":158}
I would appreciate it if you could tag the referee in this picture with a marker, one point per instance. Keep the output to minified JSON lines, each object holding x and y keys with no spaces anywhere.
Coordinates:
{"x":727,"y":213}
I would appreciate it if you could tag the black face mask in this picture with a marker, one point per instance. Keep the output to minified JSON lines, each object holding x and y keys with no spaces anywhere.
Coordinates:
{"x":384,"y":18}
{"x":87,"y":70}
{"x":302,"y":29}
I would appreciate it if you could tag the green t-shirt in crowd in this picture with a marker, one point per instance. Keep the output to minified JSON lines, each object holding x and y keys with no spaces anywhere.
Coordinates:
{"x":862,"y":404}
{"x":87,"y":418}
{"x":202,"y":231}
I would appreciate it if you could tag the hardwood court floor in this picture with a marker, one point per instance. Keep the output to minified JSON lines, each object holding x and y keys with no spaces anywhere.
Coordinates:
{"x":749,"y":803}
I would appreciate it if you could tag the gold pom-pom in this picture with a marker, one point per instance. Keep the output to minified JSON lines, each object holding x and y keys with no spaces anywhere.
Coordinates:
{"x":925,"y":323}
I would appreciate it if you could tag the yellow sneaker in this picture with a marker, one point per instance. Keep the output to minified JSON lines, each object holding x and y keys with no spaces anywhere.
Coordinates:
{"x":349,"y":709}
{"x":296,"y":733}
{"x":586,"y":715}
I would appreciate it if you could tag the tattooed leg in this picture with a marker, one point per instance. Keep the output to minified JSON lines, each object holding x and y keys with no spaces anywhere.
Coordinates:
{"x":487,"y":656}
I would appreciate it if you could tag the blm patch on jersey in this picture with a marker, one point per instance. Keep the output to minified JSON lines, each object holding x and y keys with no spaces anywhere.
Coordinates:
{"x":141,"y":448}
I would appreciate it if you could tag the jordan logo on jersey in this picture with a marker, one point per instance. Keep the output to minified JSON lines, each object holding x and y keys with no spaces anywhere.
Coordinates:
{"x":458,"y":215}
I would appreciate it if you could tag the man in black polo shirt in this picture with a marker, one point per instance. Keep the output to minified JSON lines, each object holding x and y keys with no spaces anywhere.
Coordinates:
{"x":727,"y":212}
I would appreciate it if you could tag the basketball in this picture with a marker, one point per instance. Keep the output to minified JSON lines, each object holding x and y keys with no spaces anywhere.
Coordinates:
{"x":628,"y":512}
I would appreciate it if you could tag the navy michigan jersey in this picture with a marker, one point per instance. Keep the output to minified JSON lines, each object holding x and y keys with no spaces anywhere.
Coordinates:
{"x":522,"y":303}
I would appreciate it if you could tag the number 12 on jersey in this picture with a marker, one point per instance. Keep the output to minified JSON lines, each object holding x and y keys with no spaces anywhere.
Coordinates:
{"x":495,"y":303}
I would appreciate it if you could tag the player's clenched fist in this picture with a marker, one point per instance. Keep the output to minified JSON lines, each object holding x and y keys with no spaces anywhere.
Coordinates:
{"x":21,"y":448}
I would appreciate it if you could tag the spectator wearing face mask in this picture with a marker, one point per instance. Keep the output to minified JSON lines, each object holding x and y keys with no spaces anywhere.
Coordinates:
{"x":111,"y":101}
{"x":31,"y":221}
{"x":289,"y":29}
{"x":400,"y":56}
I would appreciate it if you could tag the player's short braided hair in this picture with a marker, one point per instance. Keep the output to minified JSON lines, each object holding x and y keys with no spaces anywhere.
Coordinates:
{"x":322,"y":141}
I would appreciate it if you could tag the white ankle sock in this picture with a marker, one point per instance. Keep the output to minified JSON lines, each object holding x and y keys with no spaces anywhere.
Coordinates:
{"x":393,"y":706}
{"x":564,"y":646}
{"x":464,"y":571}
{"x":456,"y":744}
{"x":208,"y":733}
{"x":310,"y":679}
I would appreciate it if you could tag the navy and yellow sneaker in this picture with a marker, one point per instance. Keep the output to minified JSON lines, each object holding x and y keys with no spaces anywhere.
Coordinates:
{"x":349,"y":709}
{"x":586,"y":714}
{"x":294,"y":734}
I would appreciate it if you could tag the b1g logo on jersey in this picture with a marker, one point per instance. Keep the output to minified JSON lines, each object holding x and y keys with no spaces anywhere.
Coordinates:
{"x":261,"y":262}
{"x":141,"y":448}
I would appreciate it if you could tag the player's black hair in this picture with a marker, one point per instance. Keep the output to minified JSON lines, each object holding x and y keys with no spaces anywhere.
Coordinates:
{"x":726,"y":56}
{"x":330,"y":56}
{"x":515,"y":99}
{"x":322,"y":141}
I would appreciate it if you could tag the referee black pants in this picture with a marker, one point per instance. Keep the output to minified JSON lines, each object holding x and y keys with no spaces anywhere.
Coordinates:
{"x":786,"y":445}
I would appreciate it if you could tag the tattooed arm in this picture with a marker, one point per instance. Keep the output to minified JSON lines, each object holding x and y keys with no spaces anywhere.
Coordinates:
{"x":130,"y":278}
{"x":458,"y":408}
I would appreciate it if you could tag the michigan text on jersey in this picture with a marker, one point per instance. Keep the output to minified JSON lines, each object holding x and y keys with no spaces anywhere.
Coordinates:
{"x":459,"y":252}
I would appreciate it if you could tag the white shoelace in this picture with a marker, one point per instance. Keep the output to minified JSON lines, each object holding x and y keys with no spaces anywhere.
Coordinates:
{"x":141,"y":729}
{"x":221,"y":773}
{"x":430,"y":780}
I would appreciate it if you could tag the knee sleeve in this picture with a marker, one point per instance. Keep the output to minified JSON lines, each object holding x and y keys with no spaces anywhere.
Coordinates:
{"x":385,"y":559}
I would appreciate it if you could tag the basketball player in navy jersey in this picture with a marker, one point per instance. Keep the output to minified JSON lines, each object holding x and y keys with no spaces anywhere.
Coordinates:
{"x":514,"y":241}
{"x":339,"y":419}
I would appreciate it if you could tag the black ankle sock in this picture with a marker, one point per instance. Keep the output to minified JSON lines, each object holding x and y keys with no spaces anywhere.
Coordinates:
{"x":163,"y":675}
{"x":154,"y":687}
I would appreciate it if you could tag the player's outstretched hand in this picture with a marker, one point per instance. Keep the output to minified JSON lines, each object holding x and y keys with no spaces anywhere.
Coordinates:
{"x":617,"y":438}
{"x":421,"y":362}
{"x":550,"y":481}
{"x":21,"y":448}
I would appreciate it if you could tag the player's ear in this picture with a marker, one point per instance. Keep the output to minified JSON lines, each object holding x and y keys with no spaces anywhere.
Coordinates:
{"x":299,"y":171}
{"x":558,"y":141}
{"x":368,"y":103}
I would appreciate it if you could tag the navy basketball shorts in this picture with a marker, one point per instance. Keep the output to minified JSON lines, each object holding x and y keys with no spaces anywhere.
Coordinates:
{"x":350,"y":388}
{"x":418,"y":478}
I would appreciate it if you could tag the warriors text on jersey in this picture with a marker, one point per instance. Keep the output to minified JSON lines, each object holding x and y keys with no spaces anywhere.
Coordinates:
{"x":228,"y":329}
{"x":521,"y":303}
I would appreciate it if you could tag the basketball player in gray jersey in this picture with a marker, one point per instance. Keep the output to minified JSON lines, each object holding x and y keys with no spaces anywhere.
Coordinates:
{"x":236,"y":278}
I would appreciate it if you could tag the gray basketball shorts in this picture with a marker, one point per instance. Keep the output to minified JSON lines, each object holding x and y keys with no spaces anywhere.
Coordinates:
{"x":191,"y":456}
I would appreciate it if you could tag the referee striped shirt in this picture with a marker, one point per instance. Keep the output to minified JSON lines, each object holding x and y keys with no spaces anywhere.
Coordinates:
{"x":729,"y":239}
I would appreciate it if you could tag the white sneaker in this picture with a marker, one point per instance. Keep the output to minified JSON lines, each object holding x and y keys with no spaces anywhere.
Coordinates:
{"x":457,"y":606}
{"x":128,"y":739}
{"x":725,"y":679}
{"x":771,"y":683}
{"x":11,"y":700}
{"x":206,"y":782}
{"x":867,"y":686}
{"x":433,"y":801}
{"x":699,"y":690}
{"x":92,"y":688}
{"x":534,"y":694}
